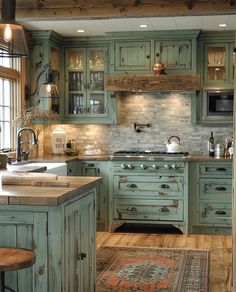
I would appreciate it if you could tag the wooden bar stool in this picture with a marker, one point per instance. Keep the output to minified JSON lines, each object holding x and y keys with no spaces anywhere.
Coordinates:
{"x":12,"y":259}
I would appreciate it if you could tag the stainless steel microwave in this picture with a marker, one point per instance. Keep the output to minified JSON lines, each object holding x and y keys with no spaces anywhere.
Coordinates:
{"x":218,"y":104}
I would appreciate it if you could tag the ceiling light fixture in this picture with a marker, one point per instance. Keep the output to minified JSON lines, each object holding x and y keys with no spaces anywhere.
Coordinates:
{"x":13,"y":42}
{"x":143,"y":25}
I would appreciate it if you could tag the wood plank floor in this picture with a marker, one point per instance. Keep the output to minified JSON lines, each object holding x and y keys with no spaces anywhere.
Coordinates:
{"x":220,"y":250}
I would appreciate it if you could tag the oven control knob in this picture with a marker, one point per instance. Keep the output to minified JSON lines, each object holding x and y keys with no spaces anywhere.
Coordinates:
{"x":174,"y":166}
{"x":130,"y":166}
{"x":123,"y":166}
{"x":143,"y":166}
{"x":166,"y":166}
{"x":155,"y":166}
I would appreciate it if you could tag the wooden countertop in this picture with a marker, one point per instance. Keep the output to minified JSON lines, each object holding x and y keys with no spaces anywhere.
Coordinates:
{"x":47,"y":196}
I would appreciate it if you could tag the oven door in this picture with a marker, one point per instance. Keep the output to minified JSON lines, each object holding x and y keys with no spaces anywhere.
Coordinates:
{"x":217,"y":105}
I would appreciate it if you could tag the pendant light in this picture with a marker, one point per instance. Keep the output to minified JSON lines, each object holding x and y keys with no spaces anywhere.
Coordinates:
{"x":13,"y":43}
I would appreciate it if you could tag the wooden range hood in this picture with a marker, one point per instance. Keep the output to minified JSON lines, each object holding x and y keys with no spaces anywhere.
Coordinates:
{"x":152,"y":83}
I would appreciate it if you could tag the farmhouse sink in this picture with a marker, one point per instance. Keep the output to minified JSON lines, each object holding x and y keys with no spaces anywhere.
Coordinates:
{"x":59,"y":168}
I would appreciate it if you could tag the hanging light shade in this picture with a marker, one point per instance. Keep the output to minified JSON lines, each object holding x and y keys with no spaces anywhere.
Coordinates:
{"x":13,"y":42}
{"x":49,"y":89}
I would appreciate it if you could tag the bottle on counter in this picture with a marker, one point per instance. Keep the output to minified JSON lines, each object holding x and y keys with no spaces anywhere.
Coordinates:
{"x":211,"y":146}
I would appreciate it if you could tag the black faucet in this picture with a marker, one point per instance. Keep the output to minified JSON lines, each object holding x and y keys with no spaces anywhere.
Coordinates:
{"x":19,"y":142}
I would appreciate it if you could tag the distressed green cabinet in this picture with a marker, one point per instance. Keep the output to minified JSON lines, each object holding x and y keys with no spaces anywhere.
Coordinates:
{"x":72,"y":167}
{"x":137,"y":53}
{"x":212,"y":197}
{"x":133,"y":56}
{"x":63,"y":238}
{"x":46,"y":53}
{"x":80,"y":240}
{"x":102,"y":169}
{"x":26,"y":229}
{"x":175,"y":54}
{"x":149,"y":192}
{"x":86,"y":100}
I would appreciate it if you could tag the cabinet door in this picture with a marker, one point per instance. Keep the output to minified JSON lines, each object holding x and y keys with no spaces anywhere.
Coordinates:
{"x":216,"y":63}
{"x":76,"y":82}
{"x":26,"y":230}
{"x":132,"y":56}
{"x":176,"y":55}
{"x":80,"y":245}
{"x":72,"y":168}
{"x":96,"y":95}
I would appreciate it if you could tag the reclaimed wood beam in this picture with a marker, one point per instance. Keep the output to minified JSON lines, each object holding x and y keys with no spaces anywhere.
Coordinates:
{"x":151,"y":83}
{"x":98,"y":9}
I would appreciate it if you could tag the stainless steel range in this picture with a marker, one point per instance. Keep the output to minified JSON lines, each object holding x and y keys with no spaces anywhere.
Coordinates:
{"x":149,"y":187}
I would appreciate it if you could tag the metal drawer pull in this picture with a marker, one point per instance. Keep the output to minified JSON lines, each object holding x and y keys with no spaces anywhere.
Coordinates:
{"x":220,"y":212}
{"x":165,"y":186}
{"x":131,"y":209}
{"x":164,"y":209}
{"x":132,"y":186}
{"x":221,"y":169}
{"x":220,"y":188}
{"x":81,"y":256}
{"x":90,"y":164}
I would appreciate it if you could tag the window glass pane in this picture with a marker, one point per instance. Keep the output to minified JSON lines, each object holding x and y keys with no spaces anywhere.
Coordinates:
{"x":9,"y":105}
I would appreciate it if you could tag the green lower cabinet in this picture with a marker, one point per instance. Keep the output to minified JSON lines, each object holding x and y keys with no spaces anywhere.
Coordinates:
{"x":72,"y":168}
{"x":25,"y":229}
{"x":64,"y":239}
{"x":155,"y":193}
{"x":102,"y":169}
{"x":79,"y":245}
{"x":210,"y":195}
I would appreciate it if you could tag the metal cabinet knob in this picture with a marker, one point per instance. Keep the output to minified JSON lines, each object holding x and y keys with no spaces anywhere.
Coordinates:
{"x":81,"y":256}
{"x":167,"y":166}
{"x":123,"y":166}
{"x":174,"y":166}
{"x":155,"y":166}
{"x":143,"y":166}
{"x":130,"y":166}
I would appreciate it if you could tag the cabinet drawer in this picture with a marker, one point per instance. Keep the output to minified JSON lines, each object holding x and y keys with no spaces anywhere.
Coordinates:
{"x":216,"y":169}
{"x":216,"y":189}
{"x":215,"y":213}
{"x":165,"y":210}
{"x":140,"y":186}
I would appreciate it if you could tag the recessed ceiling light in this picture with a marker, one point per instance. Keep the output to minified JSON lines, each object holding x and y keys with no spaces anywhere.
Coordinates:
{"x":143,"y":25}
{"x":80,"y":30}
{"x":222,"y":25}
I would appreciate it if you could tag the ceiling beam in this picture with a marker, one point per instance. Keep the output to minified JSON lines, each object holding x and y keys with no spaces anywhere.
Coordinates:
{"x":98,"y":9}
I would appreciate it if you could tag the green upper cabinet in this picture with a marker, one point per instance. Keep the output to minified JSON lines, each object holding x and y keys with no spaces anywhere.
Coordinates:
{"x":86,"y":101}
{"x":45,"y":54}
{"x":216,"y":68}
{"x":175,"y":54}
{"x":133,"y":56}
{"x":218,"y":64}
{"x":136,"y":53}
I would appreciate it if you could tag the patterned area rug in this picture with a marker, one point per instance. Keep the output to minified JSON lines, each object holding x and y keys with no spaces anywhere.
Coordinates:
{"x":126,"y":269}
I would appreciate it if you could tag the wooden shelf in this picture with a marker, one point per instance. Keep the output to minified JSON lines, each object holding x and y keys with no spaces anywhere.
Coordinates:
{"x":151,"y":83}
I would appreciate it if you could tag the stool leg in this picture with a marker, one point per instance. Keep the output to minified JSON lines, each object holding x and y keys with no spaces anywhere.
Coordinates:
{"x":2,"y":282}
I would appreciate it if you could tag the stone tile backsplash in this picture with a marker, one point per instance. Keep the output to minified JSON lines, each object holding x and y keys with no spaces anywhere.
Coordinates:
{"x":168,"y":113}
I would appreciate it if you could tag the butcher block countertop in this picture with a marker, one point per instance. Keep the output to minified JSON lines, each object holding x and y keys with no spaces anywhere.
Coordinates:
{"x":47,"y":195}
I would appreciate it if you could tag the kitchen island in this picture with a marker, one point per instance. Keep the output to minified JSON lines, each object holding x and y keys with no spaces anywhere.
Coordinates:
{"x":59,"y":224}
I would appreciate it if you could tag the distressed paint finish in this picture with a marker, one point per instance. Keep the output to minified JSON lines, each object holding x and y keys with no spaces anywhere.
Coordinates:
{"x":154,"y":197}
{"x":43,"y":229}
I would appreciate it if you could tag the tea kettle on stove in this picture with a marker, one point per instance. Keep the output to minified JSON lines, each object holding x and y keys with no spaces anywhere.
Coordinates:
{"x":173,"y":146}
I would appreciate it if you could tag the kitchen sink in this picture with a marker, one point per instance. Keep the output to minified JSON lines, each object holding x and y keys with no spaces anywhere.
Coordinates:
{"x":59,"y":168}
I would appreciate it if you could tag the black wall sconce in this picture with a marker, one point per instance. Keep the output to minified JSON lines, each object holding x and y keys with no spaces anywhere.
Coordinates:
{"x":138,"y":127}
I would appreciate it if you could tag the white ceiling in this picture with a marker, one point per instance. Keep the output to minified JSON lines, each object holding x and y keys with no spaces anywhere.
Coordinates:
{"x":100,"y":27}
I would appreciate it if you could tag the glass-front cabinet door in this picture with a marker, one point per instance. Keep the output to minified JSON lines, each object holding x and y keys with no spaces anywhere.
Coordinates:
{"x":85,"y":70}
{"x":217,"y":63}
